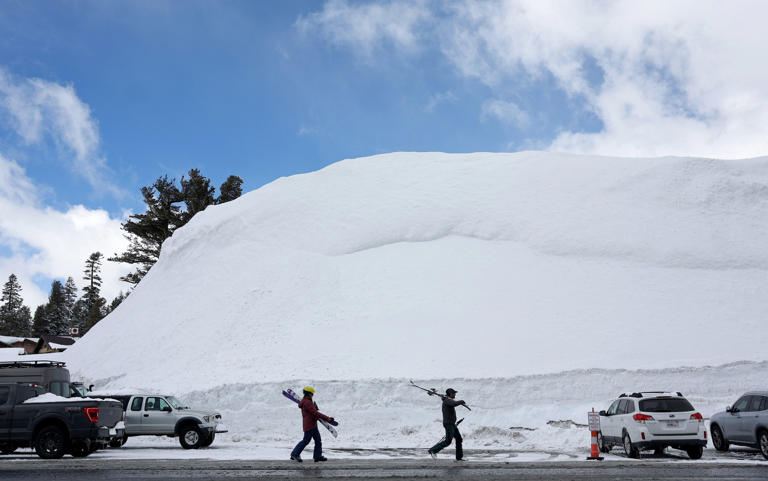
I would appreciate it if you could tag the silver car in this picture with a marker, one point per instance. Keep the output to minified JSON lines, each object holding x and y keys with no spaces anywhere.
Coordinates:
{"x":743,"y":424}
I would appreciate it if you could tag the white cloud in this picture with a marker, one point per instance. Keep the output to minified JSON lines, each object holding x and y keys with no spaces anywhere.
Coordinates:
{"x":506,"y":112}
{"x":440,"y":98}
{"x":368,"y":27}
{"x":682,"y":77}
{"x":39,"y":109}
{"x":50,"y":243}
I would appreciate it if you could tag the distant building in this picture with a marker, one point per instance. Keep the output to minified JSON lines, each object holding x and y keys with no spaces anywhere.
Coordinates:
{"x":48,"y":344}
{"x":25,"y":343}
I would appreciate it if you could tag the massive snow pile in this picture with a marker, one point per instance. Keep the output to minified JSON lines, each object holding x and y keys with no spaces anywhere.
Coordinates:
{"x":431,"y":265}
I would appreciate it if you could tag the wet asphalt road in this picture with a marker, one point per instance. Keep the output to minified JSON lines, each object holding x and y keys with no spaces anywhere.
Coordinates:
{"x":152,"y":469}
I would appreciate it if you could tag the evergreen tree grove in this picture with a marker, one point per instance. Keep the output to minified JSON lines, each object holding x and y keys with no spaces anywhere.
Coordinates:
{"x":146,"y":232}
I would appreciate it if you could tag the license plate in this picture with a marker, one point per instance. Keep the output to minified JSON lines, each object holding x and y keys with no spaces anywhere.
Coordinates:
{"x":671,"y":424}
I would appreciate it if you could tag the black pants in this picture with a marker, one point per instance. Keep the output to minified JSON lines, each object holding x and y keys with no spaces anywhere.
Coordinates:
{"x":451,"y":431}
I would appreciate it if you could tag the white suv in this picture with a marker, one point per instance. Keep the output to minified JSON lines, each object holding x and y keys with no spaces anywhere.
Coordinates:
{"x":652,"y":420}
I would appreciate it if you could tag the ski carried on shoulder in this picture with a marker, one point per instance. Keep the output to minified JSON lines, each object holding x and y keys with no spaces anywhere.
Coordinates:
{"x":329,"y":426}
{"x":433,"y":392}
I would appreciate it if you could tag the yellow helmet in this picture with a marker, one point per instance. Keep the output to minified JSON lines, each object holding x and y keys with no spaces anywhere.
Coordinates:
{"x":309,"y":389}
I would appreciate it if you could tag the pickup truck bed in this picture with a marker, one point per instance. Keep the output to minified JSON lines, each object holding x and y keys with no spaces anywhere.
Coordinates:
{"x":52,"y":425}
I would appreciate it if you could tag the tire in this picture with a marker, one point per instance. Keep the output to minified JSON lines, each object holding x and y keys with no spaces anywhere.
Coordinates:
{"x":7,"y":448}
{"x":190,"y":437}
{"x":51,"y":442}
{"x":80,"y":449}
{"x":604,"y":448}
{"x":762,"y":443}
{"x":629,"y":449}
{"x":118,"y":442}
{"x":208,"y":441}
{"x":718,"y":439}
{"x":695,"y":452}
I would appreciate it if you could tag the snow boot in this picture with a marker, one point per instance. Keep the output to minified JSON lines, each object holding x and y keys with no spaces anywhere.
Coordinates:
{"x":321,"y":458}
{"x":296,"y":458}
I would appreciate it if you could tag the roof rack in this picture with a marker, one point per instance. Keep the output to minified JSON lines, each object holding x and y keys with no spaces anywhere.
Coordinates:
{"x":8,"y":364}
{"x":643,"y":393}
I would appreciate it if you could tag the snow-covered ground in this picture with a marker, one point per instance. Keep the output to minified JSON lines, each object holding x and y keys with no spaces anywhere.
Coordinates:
{"x":539,"y":285}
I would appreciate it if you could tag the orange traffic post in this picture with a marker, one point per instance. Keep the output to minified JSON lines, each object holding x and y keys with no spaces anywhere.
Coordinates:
{"x":594,"y":427}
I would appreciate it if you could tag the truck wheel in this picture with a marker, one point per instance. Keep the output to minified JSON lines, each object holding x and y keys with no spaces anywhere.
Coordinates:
{"x":695,"y":452}
{"x":190,"y":437}
{"x":80,"y":449}
{"x":7,"y":448}
{"x":208,"y":441}
{"x":718,"y":440}
{"x":51,"y":442}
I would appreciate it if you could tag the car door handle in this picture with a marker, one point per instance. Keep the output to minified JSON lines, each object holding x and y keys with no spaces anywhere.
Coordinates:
{"x":146,"y":415}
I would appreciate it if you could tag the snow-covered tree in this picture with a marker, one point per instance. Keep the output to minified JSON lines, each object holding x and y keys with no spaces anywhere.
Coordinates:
{"x":39,"y":322}
{"x":70,"y":297}
{"x":10,"y":303}
{"x":56,"y":313}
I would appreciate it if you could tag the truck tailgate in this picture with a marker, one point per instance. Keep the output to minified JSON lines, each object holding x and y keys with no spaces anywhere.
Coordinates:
{"x":110,"y":413}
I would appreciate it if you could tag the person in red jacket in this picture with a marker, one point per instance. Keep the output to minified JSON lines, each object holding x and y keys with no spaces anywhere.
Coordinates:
{"x":310,"y":415}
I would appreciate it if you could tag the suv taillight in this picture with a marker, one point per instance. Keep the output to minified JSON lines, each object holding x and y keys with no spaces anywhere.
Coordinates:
{"x":641,"y":418}
{"x":92,"y":414}
{"x":697,"y":416}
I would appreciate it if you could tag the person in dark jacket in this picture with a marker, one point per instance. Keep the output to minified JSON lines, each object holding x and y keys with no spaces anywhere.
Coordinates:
{"x":449,"y":423}
{"x":310,"y":415}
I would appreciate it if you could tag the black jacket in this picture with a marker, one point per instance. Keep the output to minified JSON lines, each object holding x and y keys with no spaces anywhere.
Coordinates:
{"x":449,"y":410}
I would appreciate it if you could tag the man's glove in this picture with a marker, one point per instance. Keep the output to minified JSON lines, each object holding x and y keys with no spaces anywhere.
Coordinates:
{"x":332,"y":419}
{"x":462,"y":402}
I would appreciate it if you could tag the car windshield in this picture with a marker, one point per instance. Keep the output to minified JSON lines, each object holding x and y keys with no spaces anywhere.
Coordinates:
{"x":81,"y":390}
{"x":175,"y":403}
{"x":665,"y":405}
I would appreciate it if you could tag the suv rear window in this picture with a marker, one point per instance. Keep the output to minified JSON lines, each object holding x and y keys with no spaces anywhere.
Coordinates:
{"x":665,"y":405}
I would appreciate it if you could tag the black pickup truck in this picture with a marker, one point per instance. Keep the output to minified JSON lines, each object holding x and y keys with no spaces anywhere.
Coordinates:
{"x":52,"y":425}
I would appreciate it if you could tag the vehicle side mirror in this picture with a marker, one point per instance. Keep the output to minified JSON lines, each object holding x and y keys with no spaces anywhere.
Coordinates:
{"x":728,"y":409}
{"x":167,"y":409}
{"x":602,"y":413}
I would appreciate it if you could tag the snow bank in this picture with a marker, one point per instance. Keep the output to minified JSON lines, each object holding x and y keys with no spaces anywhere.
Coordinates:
{"x":521,"y":413}
{"x":432,"y":265}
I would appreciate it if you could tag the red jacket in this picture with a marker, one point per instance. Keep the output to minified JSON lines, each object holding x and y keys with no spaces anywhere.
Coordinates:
{"x":310,"y":414}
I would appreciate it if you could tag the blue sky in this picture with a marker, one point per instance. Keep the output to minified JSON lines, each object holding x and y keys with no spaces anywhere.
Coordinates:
{"x":264,"y":89}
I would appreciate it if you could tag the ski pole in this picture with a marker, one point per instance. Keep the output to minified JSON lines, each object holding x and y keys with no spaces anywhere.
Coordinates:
{"x":433,"y":392}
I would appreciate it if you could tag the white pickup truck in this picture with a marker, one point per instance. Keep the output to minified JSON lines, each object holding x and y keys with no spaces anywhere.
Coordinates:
{"x":161,"y":415}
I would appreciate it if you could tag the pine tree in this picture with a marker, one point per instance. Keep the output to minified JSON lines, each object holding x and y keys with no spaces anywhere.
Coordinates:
{"x":56,"y":312}
{"x":231,"y":189}
{"x":146,"y":232}
{"x":39,"y":322}
{"x":92,"y":291}
{"x":80,"y":316}
{"x":21,"y":323}
{"x":10,"y":303}
{"x":70,"y":297}
{"x":198,"y":194}
{"x":117,"y":301}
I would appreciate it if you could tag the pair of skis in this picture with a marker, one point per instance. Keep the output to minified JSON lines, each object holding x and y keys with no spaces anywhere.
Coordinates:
{"x":328,"y":425}
{"x":433,"y":392}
